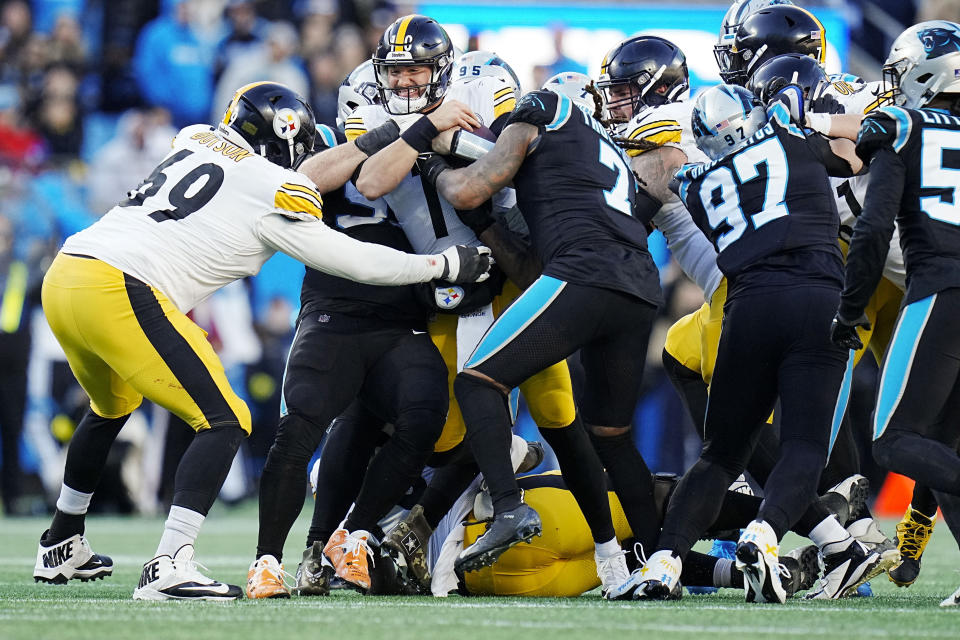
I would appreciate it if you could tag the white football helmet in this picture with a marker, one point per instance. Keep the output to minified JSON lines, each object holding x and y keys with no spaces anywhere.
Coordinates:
{"x":732,"y":20}
{"x":574,"y":86}
{"x":357,"y":89}
{"x":475,"y":64}
{"x":923,"y":62}
{"x":724,"y":117}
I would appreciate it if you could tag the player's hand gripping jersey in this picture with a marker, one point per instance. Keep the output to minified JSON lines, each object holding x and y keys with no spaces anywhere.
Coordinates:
{"x":586,"y":217}
{"x":758,"y":207}
{"x":922,"y":201}
{"x":214,"y":211}
{"x":668,"y":125}
{"x":430,"y":222}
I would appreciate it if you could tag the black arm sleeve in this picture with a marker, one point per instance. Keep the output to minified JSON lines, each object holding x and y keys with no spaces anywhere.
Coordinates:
{"x":836,"y":166}
{"x":872,"y":233}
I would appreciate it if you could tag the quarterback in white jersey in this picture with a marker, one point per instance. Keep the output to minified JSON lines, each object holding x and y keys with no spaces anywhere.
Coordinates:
{"x":213,"y":211}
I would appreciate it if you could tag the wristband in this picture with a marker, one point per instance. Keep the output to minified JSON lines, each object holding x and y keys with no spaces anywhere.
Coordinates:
{"x":420,"y":135}
{"x":820,"y":122}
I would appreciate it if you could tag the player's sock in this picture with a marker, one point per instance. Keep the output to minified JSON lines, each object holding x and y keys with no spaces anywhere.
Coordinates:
{"x":88,"y":450}
{"x":487,"y":418}
{"x":395,"y":467}
{"x":583,"y":475}
{"x":702,"y":570}
{"x":182,"y":527}
{"x":633,"y":483}
{"x":924,"y":501}
{"x":283,"y":481}
{"x":445,"y":487}
{"x":68,"y":519}
{"x":830,"y":536}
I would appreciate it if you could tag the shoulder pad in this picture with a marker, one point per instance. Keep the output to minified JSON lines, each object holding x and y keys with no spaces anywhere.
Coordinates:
{"x":543,"y":109}
{"x":185,"y":133}
{"x":885,"y":127}
{"x":657,"y":125}
{"x":296,"y":197}
{"x":364,"y":118}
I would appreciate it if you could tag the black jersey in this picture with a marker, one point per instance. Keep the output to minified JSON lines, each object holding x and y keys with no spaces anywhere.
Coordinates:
{"x":914,"y":157}
{"x":768,"y":208}
{"x":348,"y":211}
{"x":579,"y":199}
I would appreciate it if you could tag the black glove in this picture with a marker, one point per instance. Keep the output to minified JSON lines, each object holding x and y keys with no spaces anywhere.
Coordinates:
{"x":843,"y":333}
{"x":378,"y":138}
{"x":825,"y":103}
{"x":431,"y":166}
{"x":466,"y":264}
{"x":478,"y":219}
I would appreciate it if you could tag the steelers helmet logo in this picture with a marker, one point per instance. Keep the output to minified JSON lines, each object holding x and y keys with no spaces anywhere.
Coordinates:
{"x":286,"y":124}
{"x":448,"y":297}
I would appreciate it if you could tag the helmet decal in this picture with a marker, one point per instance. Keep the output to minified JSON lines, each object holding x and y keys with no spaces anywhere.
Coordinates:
{"x":939,"y":41}
{"x":286,"y":124}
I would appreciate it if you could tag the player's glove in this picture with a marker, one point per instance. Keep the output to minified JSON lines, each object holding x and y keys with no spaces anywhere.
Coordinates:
{"x":478,"y":219}
{"x":823,"y":102}
{"x":431,"y":166}
{"x":789,"y":95}
{"x":466,"y":264}
{"x":378,"y":138}
{"x":843,"y":332}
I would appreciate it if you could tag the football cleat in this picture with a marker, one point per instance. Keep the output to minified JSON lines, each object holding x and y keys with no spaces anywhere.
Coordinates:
{"x":519,"y":524}
{"x":657,"y":579}
{"x":354,"y":558}
{"x":178,"y":578}
{"x":612,"y":571}
{"x":313,"y":576}
{"x":953,"y":600}
{"x":867,"y":531}
{"x":855,"y":490}
{"x":265,"y":579}
{"x":758,"y":559}
{"x":913,"y":534}
{"x":533,"y":459}
{"x":70,"y":559}
{"x":804,"y":566}
{"x":846,"y":570}
{"x":407,"y":544}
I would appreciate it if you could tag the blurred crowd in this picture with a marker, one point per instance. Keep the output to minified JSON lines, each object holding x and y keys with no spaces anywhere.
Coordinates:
{"x":91,"y":93}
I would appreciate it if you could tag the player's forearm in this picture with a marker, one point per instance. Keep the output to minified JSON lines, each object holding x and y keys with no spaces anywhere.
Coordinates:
{"x":513,"y":256}
{"x":384,"y":170}
{"x":463,"y":188}
{"x":838,"y":125}
{"x":322,"y":248}
{"x":872,"y":233}
{"x":330,"y":169}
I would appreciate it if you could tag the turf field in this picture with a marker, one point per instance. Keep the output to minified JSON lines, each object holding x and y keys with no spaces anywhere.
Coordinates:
{"x":104,"y":610}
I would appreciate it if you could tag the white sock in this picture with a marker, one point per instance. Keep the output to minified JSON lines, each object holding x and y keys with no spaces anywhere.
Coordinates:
{"x":72,"y":501}
{"x":182,"y":527}
{"x":722,"y":573}
{"x":607,"y":549}
{"x":830,"y":536}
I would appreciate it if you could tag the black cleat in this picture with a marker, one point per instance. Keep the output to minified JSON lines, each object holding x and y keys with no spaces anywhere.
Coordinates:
{"x":803,"y":563}
{"x":507,"y":529}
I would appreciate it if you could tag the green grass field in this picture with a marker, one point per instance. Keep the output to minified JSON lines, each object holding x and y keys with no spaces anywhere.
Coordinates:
{"x":104,"y":610}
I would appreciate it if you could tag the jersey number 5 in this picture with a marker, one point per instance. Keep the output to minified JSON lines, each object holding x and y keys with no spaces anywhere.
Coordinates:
{"x":721,"y":200}
{"x":184,"y":197}
{"x":933,"y":175}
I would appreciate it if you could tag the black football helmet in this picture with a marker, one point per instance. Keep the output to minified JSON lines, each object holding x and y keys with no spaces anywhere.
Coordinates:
{"x":653,"y":68}
{"x":771,"y":32}
{"x":274,"y":120}
{"x":795,"y":68}
{"x":414,"y":40}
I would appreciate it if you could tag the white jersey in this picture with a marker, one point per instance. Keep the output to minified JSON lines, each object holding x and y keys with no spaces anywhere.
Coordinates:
{"x":214,"y":211}
{"x":669,"y":125}
{"x":862,"y":97}
{"x":427,"y":219}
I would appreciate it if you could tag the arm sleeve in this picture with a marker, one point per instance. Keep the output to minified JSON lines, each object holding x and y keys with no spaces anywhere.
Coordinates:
{"x":691,"y":249}
{"x":320,"y":247}
{"x":872,"y":233}
{"x":538,"y":108}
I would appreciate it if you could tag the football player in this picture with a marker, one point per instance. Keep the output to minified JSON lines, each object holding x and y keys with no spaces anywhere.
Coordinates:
{"x":773,"y":233}
{"x":222,"y":202}
{"x":909,"y":148}
{"x":414,"y":63}
{"x":580,"y":211}
{"x":477,"y":64}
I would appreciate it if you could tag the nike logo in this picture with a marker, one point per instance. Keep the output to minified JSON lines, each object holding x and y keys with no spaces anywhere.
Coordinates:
{"x":192,"y":587}
{"x":417,"y":333}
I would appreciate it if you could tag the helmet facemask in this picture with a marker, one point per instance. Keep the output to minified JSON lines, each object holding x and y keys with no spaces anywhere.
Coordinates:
{"x":425,"y":96}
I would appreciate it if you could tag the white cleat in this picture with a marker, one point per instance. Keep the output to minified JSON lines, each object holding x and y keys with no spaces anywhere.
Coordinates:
{"x":178,"y":578}
{"x":758,"y":559}
{"x":70,"y":559}
{"x":953,"y":600}
{"x":657,"y":579}
{"x":612,"y":571}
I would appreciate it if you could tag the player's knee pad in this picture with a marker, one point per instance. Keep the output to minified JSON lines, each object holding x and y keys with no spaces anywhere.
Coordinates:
{"x":551,"y":408}
{"x":297,"y":439}
{"x":418,"y":428}
{"x":731,"y":459}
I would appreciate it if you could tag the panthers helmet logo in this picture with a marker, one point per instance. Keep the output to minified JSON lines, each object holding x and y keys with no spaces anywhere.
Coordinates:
{"x":939,"y":41}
